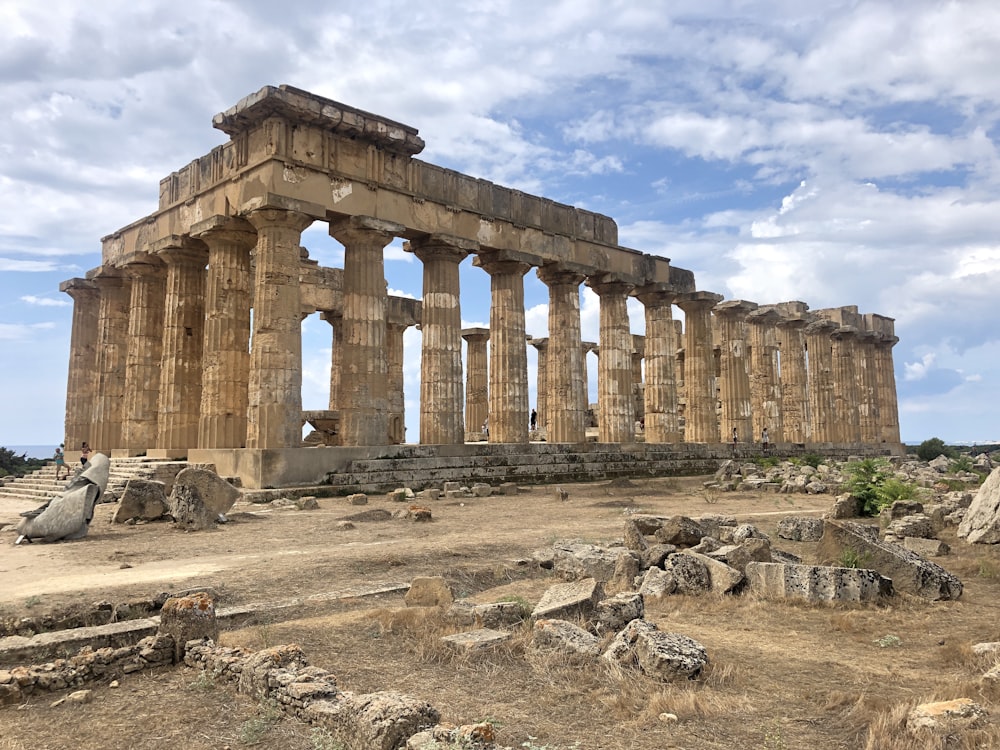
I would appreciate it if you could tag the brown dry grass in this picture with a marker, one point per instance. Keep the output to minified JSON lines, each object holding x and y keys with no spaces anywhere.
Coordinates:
{"x":782,"y":675}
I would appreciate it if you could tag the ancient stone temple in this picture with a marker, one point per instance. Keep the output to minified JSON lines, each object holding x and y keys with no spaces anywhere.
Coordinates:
{"x":186,"y":339}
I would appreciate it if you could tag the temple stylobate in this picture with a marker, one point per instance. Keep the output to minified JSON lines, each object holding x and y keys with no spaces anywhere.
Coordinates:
{"x":186,"y":339}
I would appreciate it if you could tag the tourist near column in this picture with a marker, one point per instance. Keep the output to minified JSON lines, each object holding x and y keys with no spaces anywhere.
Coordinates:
{"x":821,"y":404}
{"x":660,"y":391}
{"x":508,"y":384}
{"x":765,"y":384}
{"x":565,"y":405}
{"x":143,"y":358}
{"x":731,"y":319}
{"x":541,"y":382}
{"x":364,"y":387}
{"x":112,"y":345}
{"x":81,"y":381}
{"x":794,"y":405}
{"x":183,"y":344}
{"x":700,"y":423}
{"x":222,"y":422}
{"x":441,"y":409}
{"x":616,"y":419}
{"x":476,"y":381}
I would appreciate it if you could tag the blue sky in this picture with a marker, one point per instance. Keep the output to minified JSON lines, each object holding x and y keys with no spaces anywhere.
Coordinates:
{"x":832,"y":152}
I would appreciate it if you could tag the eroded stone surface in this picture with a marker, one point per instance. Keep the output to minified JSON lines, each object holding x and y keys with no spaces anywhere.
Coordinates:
{"x":816,"y":583}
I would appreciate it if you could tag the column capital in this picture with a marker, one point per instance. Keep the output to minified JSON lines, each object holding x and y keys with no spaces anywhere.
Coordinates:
{"x":695,"y":300}
{"x":659,"y":291}
{"x":539,"y":343}
{"x":225,"y":229}
{"x":495,"y":264}
{"x":820,"y":327}
{"x":139,"y":265}
{"x":608,"y":284}
{"x":555,"y":273}
{"x":356,"y":228}
{"x":441,"y":247}
{"x":764,"y":316}
{"x":735,"y":308}
{"x":77,"y":286}
{"x":476,"y":334}
{"x":180,"y":249}
{"x":266,"y":217}
{"x":844,"y":332}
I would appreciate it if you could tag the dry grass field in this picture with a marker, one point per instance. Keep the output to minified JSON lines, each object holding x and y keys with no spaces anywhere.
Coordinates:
{"x":781,"y":675}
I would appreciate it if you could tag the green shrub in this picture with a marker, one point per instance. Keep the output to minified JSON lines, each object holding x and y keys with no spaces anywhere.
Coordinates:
{"x":812,"y":459}
{"x":851,"y":558}
{"x":891,"y":490}
{"x":932,"y":448}
{"x":864,"y":478}
{"x":960,"y":463}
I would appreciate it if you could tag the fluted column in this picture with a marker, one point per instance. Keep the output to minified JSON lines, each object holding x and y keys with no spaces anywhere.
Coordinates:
{"x":364,"y":405}
{"x":868,"y":410}
{"x":336,"y":321}
{"x":143,"y":358}
{"x":508,"y":387}
{"x":731,"y":317}
{"x":81,"y":381}
{"x":700,"y":423}
{"x":476,"y":378}
{"x":822,"y":410}
{"x":794,"y":392}
{"x":183,"y":343}
{"x":226,"y":354}
{"x":541,"y":380}
{"x":885,"y":377}
{"x":845,"y":384}
{"x":616,"y":420}
{"x":660,"y":392}
{"x":565,"y":404}
{"x":112,"y":346}
{"x":765,"y":383}
{"x":638,"y":355}
{"x":585,"y":349}
{"x":441,"y":417}
{"x":395,"y":396}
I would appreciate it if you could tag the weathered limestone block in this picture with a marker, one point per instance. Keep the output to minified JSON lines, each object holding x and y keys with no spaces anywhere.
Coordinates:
{"x":716,"y":525}
{"x":376,"y":721}
{"x":816,"y":583}
{"x":926,"y":547}
{"x":634,"y":538}
{"x":565,"y":637}
{"x":142,"y":499}
{"x":946,"y":717}
{"x":491,"y":615}
{"x":398,"y":495}
{"x":940,"y":464}
{"x":569,"y":600}
{"x":657,"y":584}
{"x":480,"y":489}
{"x":679,"y":530}
{"x":257,"y":674}
{"x":573,"y":560}
{"x":801,"y":528}
{"x":612,"y":614}
{"x":647,"y":524}
{"x":845,"y":506}
{"x":747,"y":531}
{"x":188,"y":618}
{"x":900,"y":509}
{"x":667,"y":656}
{"x":981,"y":524}
{"x":656,"y":554}
{"x":429,"y":591}
{"x":917,"y":525}
{"x":476,"y":640}
{"x":375,"y":514}
{"x":991,"y":648}
{"x":689,"y":572}
{"x":738,"y":555}
{"x":447,"y":736}
{"x":627,"y":567}
{"x":722,"y":578}
{"x":358,"y":498}
{"x":908,"y":571}
{"x":200,"y":498}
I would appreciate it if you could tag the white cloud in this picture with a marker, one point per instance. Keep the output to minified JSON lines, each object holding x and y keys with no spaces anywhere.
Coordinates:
{"x":44,"y":301}
{"x":918,"y":370}
{"x":22,"y":331}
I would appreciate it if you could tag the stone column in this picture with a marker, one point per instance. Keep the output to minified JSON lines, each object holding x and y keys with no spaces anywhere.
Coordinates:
{"x":542,"y":381}
{"x":822,"y":410}
{"x":616,"y":420}
{"x":638,"y":355}
{"x":731,"y":318}
{"x":336,"y":321}
{"x":794,"y":403}
{"x":660,"y":391}
{"x":508,"y":387}
{"x":700,"y":423}
{"x":183,"y":343}
{"x":81,"y":383}
{"x":395,"y":396}
{"x":845,"y":384}
{"x":274,"y":387}
{"x":586,"y":348}
{"x":765,"y":382}
{"x":112,"y":346}
{"x":868,"y":411}
{"x":441,"y":418}
{"x":885,"y":378}
{"x":565,"y":404}
{"x":226,"y":354}
{"x":364,"y":406}
{"x":143,"y":358}
{"x":476,"y":378}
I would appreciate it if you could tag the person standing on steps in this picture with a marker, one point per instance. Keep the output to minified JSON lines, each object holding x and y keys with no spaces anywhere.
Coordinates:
{"x":764,"y":441}
{"x":60,"y":460}
{"x":85,"y":452}
{"x":534,"y":420}
{"x":736,"y":442}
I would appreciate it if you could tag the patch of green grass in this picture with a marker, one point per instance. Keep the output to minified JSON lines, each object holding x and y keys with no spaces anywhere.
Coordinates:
{"x":32,"y":601}
{"x":888,"y":641}
{"x":321,"y":739}
{"x":204,"y":682}
{"x":989,"y":570}
{"x":851,"y":558}
{"x":253,"y":730}
{"x":525,"y":607}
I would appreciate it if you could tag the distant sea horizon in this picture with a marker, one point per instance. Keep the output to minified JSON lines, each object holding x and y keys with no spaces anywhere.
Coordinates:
{"x":32,"y":451}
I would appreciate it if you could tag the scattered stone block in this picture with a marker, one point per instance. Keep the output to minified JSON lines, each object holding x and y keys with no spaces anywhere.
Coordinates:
{"x":375,"y":514}
{"x":908,"y":571}
{"x":452,"y":487}
{"x":722,"y":578}
{"x":981,"y":524}
{"x":573,"y":560}
{"x":801,"y":528}
{"x":900,"y":509}
{"x":666,"y":656}
{"x":200,"y":498}
{"x":345,"y":525}
{"x":627,"y":567}
{"x":569,"y":600}
{"x":481,"y":490}
{"x":656,"y":585}
{"x":917,"y":525}
{"x":690,"y":574}
{"x":399,"y":495}
{"x":612,"y":614}
{"x":358,"y":498}
{"x":308,"y":502}
{"x":738,"y":555}
{"x":634,"y":539}
{"x":429,"y":591}
{"x":679,"y":530}
{"x":490,"y":615}
{"x":987,"y":649}
{"x":380,"y":721}
{"x":509,"y":488}
{"x":565,"y":637}
{"x":431,"y":493}
{"x":926,"y":547}
{"x":946,"y":717}
{"x":142,"y":499}
{"x":188,"y":618}
{"x":477,"y":640}
{"x":816,"y":583}
{"x":845,"y":506}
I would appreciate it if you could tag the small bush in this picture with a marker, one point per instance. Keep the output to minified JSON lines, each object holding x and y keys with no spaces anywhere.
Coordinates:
{"x":864,"y":478}
{"x":891,"y":490}
{"x":961,"y":463}
{"x":812,"y":459}
{"x":932,"y":448}
{"x":851,"y":558}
